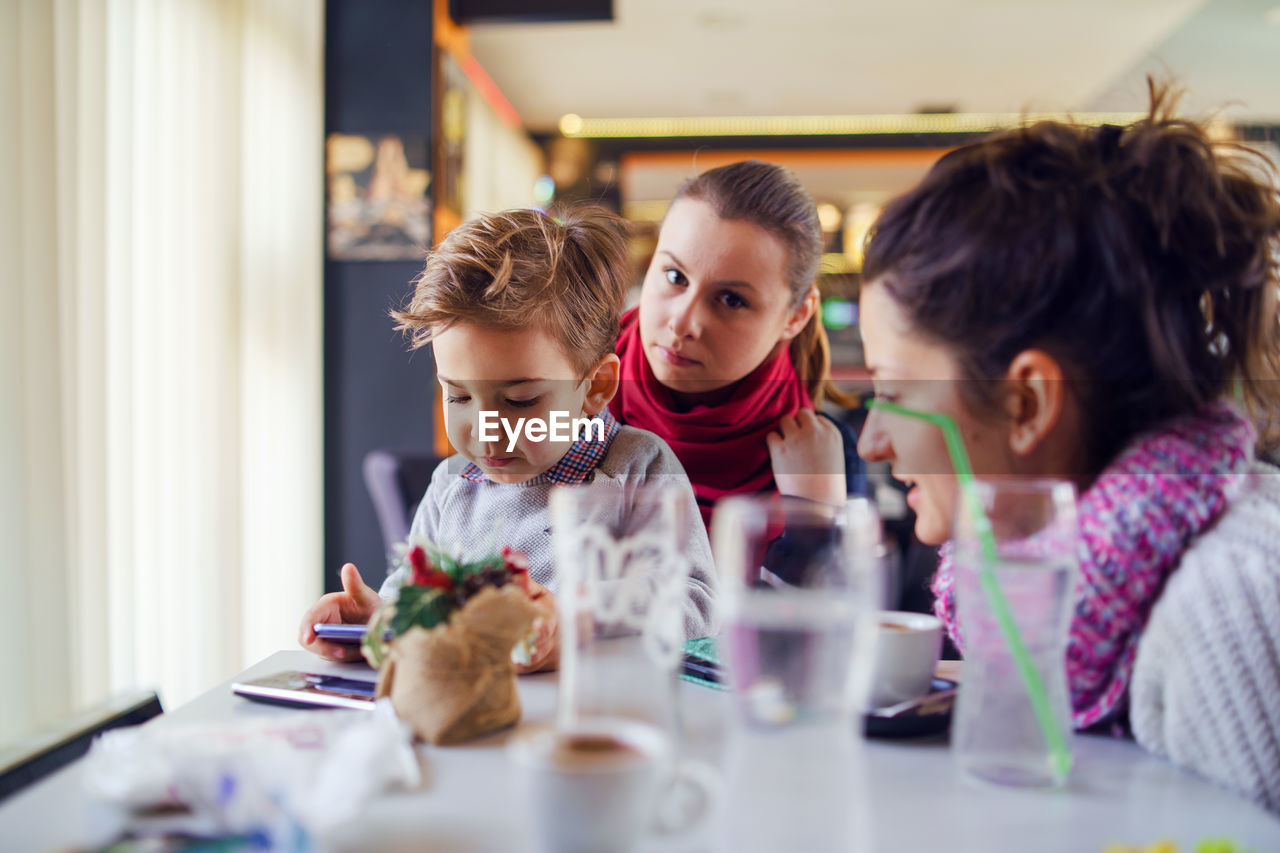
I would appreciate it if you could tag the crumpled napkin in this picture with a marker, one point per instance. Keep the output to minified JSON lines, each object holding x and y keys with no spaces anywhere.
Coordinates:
{"x":270,"y":776}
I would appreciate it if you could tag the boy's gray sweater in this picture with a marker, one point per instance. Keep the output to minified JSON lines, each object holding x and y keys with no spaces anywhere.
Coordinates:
{"x":474,"y":519}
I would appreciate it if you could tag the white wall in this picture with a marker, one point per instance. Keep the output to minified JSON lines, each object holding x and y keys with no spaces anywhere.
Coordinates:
{"x":500,"y":164}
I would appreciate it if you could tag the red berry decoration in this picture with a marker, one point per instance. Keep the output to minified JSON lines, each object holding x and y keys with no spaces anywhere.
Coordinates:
{"x":420,"y":564}
{"x":517,"y":563}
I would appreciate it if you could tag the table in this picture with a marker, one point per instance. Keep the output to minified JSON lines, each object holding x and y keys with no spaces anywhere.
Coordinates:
{"x":914,"y":799}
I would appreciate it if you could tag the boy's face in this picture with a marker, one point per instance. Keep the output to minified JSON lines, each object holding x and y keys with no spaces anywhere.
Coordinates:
{"x":520,"y":373}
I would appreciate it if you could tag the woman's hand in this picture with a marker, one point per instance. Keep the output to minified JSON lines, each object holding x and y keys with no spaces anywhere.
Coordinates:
{"x":546,"y":645}
{"x":807,"y":454}
{"x":355,"y":605}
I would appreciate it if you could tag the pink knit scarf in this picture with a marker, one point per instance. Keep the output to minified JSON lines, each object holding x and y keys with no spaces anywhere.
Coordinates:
{"x":1136,"y":520}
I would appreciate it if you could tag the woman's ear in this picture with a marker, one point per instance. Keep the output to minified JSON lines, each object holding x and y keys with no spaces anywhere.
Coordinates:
{"x":602,"y":384}
{"x":800,"y":317}
{"x":1036,"y":395}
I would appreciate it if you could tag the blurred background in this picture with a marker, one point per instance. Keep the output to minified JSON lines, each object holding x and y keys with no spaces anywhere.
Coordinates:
{"x":209,"y":206}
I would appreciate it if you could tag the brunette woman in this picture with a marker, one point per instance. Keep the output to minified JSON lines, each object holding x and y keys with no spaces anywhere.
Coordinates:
{"x":1099,"y":304}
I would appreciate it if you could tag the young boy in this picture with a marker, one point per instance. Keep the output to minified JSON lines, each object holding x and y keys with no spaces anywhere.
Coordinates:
{"x":521,"y":310}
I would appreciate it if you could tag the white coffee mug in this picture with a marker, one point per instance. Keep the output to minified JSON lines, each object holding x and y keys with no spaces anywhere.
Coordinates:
{"x":907,"y":648}
{"x":602,"y":785}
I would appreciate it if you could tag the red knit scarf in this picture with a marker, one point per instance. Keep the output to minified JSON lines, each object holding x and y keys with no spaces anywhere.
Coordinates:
{"x":721,"y":447}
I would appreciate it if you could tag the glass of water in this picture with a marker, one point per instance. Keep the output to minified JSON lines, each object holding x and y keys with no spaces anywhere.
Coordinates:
{"x":997,"y":734}
{"x":800,"y":584}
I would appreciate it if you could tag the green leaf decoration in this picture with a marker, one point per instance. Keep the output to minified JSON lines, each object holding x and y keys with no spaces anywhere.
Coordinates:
{"x":420,"y":605}
{"x":429,"y":606}
{"x":467,"y":570}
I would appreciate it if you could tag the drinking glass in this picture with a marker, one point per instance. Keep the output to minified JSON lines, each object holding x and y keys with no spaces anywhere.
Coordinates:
{"x":623,"y":557}
{"x":612,"y":770}
{"x":800,"y":586}
{"x":996,"y":734}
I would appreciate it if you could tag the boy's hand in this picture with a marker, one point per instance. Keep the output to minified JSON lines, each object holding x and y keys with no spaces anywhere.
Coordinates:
{"x":807,"y":455}
{"x":546,"y":646}
{"x":355,"y":605}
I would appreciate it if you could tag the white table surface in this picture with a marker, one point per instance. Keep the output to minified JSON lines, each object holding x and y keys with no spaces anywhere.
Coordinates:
{"x":914,"y":798}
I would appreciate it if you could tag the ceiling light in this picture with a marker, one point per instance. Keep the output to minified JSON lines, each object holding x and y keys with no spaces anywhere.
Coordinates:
{"x":1273,"y":16}
{"x":846,"y":125}
{"x":829,"y":216}
{"x":571,"y":125}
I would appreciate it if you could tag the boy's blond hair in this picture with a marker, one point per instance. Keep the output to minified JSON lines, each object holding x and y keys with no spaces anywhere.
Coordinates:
{"x":567,"y":272}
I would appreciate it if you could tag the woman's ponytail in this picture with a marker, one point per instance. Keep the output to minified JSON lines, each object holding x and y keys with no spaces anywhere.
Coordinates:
{"x":811,"y":356}
{"x":1213,"y":243}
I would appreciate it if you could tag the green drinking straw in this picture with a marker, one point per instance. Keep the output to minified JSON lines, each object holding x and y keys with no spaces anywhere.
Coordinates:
{"x":987,"y":577}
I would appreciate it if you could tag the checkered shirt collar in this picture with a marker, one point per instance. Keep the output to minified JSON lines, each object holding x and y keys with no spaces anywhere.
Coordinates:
{"x":575,"y":467}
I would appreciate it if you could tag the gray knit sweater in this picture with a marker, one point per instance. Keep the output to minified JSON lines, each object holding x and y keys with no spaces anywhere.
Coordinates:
{"x":474,"y":519}
{"x":1206,"y":681}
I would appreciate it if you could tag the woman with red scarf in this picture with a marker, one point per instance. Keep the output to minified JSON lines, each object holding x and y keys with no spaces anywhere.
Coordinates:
{"x":726,"y":358}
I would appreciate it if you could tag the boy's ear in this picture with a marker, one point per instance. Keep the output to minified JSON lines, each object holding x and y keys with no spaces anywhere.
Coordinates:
{"x":602,"y":384}
{"x":800,"y":317}
{"x":1035,"y":398}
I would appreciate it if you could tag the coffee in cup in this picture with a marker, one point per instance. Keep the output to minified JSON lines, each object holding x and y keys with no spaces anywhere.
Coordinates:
{"x":592,"y":751}
{"x":592,"y":788}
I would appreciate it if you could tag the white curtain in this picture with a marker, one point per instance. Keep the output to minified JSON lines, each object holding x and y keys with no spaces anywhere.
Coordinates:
{"x":160,"y":350}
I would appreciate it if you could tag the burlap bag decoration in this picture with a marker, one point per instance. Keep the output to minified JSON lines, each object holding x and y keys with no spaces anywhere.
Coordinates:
{"x":456,"y":681}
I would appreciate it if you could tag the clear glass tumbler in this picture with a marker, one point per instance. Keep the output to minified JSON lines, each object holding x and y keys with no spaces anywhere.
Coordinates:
{"x":799,"y":589}
{"x":996,"y":733}
{"x":800,"y":584}
{"x":624,"y":557}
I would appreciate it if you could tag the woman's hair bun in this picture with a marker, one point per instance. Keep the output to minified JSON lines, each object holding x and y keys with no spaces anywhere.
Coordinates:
{"x":1144,"y":257}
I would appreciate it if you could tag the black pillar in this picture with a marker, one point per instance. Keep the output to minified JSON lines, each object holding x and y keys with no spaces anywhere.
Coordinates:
{"x":378,"y":78}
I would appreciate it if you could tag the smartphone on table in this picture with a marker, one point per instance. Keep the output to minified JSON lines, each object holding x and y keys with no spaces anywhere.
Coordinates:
{"x":347,"y":635}
{"x":702,"y":668}
{"x":308,"y":690}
